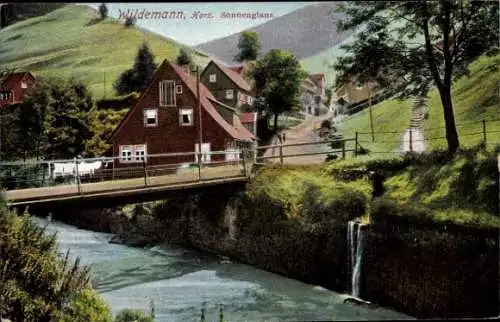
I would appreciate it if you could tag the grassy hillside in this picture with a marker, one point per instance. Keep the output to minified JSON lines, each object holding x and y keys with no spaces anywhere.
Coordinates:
{"x":72,"y":42}
{"x":475,"y":97}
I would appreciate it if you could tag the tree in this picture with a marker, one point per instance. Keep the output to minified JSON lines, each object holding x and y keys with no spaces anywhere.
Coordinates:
{"x":277,"y":78}
{"x":103,"y":10}
{"x":138,"y":77}
{"x":55,"y":119}
{"x":249,"y":46}
{"x":184,"y":58}
{"x":129,"y":22}
{"x":410,"y":45}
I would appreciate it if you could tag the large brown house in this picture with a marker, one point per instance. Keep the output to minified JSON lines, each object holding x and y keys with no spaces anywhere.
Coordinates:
{"x":13,"y":86}
{"x":165,"y":119}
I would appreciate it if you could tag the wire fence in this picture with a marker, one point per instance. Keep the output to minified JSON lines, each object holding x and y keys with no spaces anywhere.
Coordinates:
{"x":472,"y":133}
{"x":127,"y":171}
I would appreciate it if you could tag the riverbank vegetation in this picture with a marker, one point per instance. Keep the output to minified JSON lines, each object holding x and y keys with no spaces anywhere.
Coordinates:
{"x":36,"y":284}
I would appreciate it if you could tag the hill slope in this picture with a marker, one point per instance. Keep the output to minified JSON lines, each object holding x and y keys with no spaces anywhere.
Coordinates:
{"x":306,"y":32}
{"x":475,"y":97}
{"x":73,"y":42}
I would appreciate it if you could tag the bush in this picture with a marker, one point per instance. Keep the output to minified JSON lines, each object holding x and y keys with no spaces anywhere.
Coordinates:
{"x":326,"y":124}
{"x":129,"y":22}
{"x":130,"y":315}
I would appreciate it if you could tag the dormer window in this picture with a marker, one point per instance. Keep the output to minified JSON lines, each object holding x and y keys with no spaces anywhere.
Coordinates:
{"x":24,"y":85}
{"x":229,"y":94}
{"x":213,"y":78}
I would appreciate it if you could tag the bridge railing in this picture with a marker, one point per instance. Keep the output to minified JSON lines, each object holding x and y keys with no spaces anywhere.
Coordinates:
{"x":109,"y":173}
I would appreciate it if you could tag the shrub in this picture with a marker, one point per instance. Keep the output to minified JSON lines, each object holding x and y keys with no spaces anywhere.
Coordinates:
{"x":326,"y":124}
{"x":129,"y":22}
{"x":130,"y":315}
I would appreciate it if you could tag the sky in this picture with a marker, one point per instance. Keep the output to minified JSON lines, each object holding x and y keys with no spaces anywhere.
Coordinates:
{"x":197,"y":31}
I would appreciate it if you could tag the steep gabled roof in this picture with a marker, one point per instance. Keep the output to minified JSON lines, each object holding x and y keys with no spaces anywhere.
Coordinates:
{"x":238,"y":133}
{"x":11,"y":80}
{"x":234,"y":76}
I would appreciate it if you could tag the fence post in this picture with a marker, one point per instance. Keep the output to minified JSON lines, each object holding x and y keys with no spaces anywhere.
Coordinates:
{"x":281,"y":152}
{"x":343,"y":149}
{"x":145,"y":172}
{"x":356,"y":144}
{"x":411,"y":141}
{"x":199,"y":165}
{"x":77,"y":175}
{"x":484,"y":132}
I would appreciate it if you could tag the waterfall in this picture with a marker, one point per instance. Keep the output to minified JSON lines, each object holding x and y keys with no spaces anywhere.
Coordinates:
{"x":355,"y":242}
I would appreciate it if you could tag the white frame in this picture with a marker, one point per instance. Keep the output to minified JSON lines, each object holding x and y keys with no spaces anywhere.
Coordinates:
{"x":125,"y":159}
{"x":229,"y":94}
{"x":212,"y":78}
{"x":178,"y":89}
{"x":186,"y":111}
{"x":132,"y":149}
{"x":24,"y":85}
{"x":206,"y":155}
{"x":163,"y":86}
{"x":145,"y":117}
{"x":249,"y":100}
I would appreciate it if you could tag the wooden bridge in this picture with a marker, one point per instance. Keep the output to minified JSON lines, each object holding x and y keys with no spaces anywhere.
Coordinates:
{"x":34,"y":182}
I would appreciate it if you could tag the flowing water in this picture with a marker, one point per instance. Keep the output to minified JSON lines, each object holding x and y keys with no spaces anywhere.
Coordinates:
{"x":180,"y":282}
{"x":355,"y":242}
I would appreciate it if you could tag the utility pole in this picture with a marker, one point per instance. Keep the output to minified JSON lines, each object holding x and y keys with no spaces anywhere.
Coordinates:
{"x":104,"y":95}
{"x":371,"y":116}
{"x":200,"y":138}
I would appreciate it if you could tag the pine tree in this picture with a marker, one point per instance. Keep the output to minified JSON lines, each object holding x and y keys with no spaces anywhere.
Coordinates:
{"x":138,"y":77}
{"x":103,"y":11}
{"x":184,"y":58}
{"x":249,"y":46}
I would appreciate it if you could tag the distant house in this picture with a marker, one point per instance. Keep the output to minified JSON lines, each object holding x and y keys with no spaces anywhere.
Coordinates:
{"x":228,"y":85}
{"x":313,"y":95}
{"x":353,"y":92}
{"x":13,"y":87}
{"x":165,"y":119}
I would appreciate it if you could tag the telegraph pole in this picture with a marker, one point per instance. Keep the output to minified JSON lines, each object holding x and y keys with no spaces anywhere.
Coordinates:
{"x":104,"y":95}
{"x":371,"y":116}
{"x":200,"y":138}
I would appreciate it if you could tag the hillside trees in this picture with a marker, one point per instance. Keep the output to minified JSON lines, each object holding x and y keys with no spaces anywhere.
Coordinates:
{"x":103,"y":10}
{"x":184,"y":58}
{"x":138,"y":77}
{"x":248,"y":46}
{"x":277,"y":78}
{"x":54,"y":120}
{"x":411,"y":45}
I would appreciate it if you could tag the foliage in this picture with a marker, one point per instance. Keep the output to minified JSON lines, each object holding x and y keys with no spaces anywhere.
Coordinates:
{"x":326,"y":124}
{"x":184,"y":58}
{"x":397,"y":46}
{"x":54,"y":119}
{"x":129,"y":22}
{"x":277,"y":79}
{"x":248,"y":46}
{"x":87,"y":305}
{"x":129,"y":315}
{"x":25,"y":10}
{"x":36,"y":285}
{"x":103,"y":10}
{"x":138,"y":77}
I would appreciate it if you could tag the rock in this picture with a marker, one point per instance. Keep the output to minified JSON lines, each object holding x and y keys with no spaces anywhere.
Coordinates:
{"x":359,"y":302}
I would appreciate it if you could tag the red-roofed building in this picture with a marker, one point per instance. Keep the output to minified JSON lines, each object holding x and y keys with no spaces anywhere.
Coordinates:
{"x":165,"y":119}
{"x":13,"y":86}
{"x":228,"y":85}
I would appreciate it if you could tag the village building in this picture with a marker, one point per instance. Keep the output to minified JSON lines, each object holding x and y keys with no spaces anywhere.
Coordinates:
{"x":229,"y":86}
{"x":166,"y":120}
{"x":13,"y":87}
{"x":312,"y":92}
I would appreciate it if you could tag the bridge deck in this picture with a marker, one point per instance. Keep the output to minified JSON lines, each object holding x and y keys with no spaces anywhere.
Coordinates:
{"x":116,"y":187}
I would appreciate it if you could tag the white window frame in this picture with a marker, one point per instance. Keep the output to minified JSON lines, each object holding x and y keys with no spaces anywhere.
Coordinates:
{"x":186,"y":111}
{"x":24,"y":85}
{"x":229,"y":94}
{"x":132,"y":157}
{"x":178,"y":89}
{"x":141,"y":157}
{"x":212,"y":78}
{"x":126,"y":158}
{"x":146,"y":124}
{"x":163,"y":87}
{"x":249,"y":100}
